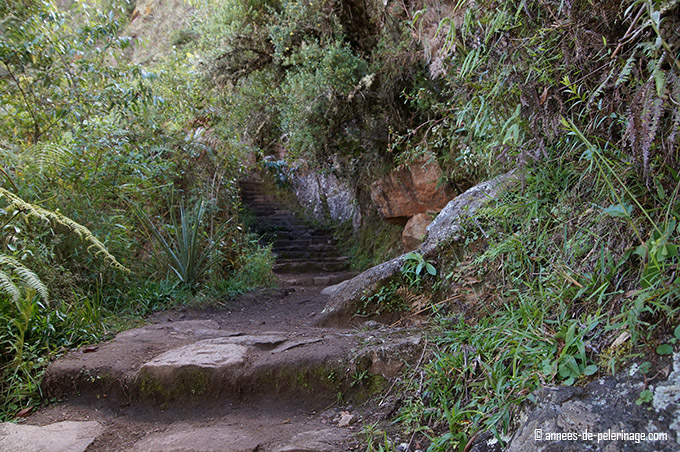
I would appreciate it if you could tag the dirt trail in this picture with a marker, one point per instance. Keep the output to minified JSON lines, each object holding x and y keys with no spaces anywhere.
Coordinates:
{"x":255,"y":375}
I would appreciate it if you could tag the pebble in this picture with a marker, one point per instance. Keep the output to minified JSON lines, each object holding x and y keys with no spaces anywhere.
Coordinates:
{"x":346,"y":420}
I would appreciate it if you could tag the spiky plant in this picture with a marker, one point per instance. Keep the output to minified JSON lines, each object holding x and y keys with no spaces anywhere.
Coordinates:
{"x":187,"y":252}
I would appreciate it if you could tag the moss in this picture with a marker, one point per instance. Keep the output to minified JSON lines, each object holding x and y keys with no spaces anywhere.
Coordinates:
{"x":374,"y":243}
{"x":190,"y":384}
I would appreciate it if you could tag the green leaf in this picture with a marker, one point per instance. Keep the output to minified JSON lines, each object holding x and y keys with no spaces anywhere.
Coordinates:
{"x":569,"y":339}
{"x":676,"y":332}
{"x":622,"y":210}
{"x":590,"y":370}
{"x":646,"y":396}
{"x":664,"y":349}
{"x":430,"y":269}
{"x":573,"y":367}
{"x":641,"y":250}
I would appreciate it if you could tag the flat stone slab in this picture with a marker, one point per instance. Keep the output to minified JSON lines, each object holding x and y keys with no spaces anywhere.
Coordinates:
{"x":66,"y":436}
{"x":209,"y":353}
{"x":196,"y":362}
{"x":323,"y":440}
{"x":189,"y":438}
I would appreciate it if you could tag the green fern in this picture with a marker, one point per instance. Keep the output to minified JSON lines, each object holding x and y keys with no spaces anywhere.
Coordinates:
{"x":45,"y":156}
{"x":16,"y":204}
{"x":9,"y":266}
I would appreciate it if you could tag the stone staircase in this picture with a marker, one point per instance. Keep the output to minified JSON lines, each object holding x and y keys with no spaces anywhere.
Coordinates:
{"x":305,"y":255}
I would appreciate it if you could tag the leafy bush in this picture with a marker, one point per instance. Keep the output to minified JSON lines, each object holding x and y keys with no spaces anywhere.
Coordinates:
{"x":86,"y":134}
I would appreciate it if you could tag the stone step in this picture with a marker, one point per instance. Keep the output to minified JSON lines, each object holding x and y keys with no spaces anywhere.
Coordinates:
{"x":321,"y":279}
{"x":292,"y":232}
{"x":303,"y":245}
{"x":319,"y":260}
{"x":197,"y":362}
{"x":310,"y":266}
{"x":300,"y":248}
{"x":301,"y":234}
{"x":305,"y":254}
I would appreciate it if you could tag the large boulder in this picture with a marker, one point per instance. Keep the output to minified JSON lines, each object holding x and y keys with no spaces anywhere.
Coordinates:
{"x":604,"y":415}
{"x":409,"y":191}
{"x":344,"y":298}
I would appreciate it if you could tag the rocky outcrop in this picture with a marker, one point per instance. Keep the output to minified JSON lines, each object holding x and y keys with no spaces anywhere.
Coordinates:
{"x":415,"y":231}
{"x":604,"y":415}
{"x":344,"y":297}
{"x":409,"y":191}
{"x":448,"y":224}
{"x":325,"y":195}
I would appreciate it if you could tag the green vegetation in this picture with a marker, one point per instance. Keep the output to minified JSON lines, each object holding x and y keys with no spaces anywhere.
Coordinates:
{"x":568,"y":276}
{"x":86,"y":140}
{"x":572,"y":274}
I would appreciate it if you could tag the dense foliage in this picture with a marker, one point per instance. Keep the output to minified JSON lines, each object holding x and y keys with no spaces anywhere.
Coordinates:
{"x":572,"y":273}
{"x":97,"y":153}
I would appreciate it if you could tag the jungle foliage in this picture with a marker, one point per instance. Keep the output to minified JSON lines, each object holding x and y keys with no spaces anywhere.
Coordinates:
{"x":87,"y":140}
{"x":568,"y":276}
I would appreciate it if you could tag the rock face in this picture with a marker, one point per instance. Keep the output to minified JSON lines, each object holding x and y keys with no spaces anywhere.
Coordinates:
{"x":344,"y":297}
{"x":598,"y":416}
{"x":325,"y":195}
{"x":409,"y":191}
{"x":415,"y":231}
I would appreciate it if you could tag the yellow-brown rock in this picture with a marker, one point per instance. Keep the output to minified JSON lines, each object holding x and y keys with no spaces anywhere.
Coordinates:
{"x":415,"y":231}
{"x":409,"y":191}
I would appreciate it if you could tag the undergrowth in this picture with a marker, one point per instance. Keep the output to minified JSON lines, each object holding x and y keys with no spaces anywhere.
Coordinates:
{"x":564,"y":291}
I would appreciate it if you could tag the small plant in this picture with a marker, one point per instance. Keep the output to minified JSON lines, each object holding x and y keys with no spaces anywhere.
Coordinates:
{"x":187,"y":250}
{"x":360,"y":378}
{"x":572,"y":361}
{"x":384,"y":300}
{"x":415,"y":268}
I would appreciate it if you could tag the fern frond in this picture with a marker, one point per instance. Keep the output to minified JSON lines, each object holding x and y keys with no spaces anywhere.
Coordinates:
{"x":416,"y":301}
{"x":624,"y":75}
{"x":27,"y":276}
{"x":8,"y":286}
{"x":644,"y":116}
{"x":32,"y":210}
{"x":46,"y":155}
